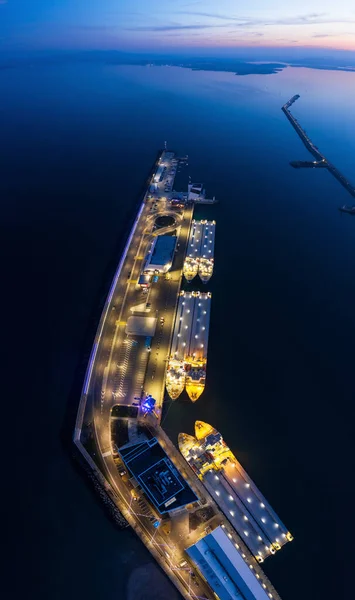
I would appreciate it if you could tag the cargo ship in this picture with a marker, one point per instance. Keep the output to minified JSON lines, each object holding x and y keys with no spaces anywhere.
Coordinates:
{"x":190,"y":269}
{"x":188,"y":356}
{"x":200,"y":251}
{"x":234,"y":491}
{"x":206,"y":262}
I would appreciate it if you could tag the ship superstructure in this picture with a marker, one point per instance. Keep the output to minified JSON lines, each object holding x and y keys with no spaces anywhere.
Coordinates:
{"x":188,"y":356}
{"x":234,"y":491}
{"x":200,"y":250}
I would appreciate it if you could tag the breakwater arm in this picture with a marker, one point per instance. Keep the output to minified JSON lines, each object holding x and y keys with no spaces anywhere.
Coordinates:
{"x":321,"y":160}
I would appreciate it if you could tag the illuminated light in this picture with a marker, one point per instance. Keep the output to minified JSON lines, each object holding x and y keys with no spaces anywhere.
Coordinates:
{"x":216,"y":477}
{"x":223,"y":525}
{"x":234,"y":480}
{"x":179,"y":334}
{"x":236,"y":545}
{"x":264,"y":586}
{"x":247,"y":485}
{"x":230,"y":497}
{"x":217,"y":493}
{"x":180,"y":318}
{"x":257,"y":575}
{"x":245,"y":518}
{"x":232,"y":513}
{"x":183,"y":303}
{"x":277,"y":540}
{"x":188,"y":310}
{"x":267,"y":548}
{"x":260,"y":538}
{"x":184,"y":343}
{"x":262,"y":504}
{"x":263,"y":519}
{"x":249,"y":500}
{"x":270,"y":595}
{"x":246,"y":533}
{"x":251,"y":567}
{"x":284,"y":535}
{"x":243,"y":555}
{"x":186,"y":326}
{"x":230,"y":536}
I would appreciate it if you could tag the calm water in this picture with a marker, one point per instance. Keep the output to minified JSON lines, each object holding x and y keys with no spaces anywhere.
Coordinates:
{"x":77,"y":144}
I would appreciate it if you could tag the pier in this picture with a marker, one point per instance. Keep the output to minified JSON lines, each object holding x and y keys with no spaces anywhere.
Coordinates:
{"x":321,"y":161}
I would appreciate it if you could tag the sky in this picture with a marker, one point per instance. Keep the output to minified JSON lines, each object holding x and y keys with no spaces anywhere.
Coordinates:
{"x":159,"y":25}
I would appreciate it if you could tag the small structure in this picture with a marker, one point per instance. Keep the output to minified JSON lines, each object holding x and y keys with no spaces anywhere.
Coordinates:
{"x":161,"y":253}
{"x":144,"y":280}
{"x":153,"y":470}
{"x":141,"y":326}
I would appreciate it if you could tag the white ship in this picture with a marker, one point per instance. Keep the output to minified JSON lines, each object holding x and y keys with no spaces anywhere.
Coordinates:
{"x":206,"y":262}
{"x":200,"y":250}
{"x":234,"y":491}
{"x":193,"y":252}
{"x":175,"y":378}
{"x":188,"y":355}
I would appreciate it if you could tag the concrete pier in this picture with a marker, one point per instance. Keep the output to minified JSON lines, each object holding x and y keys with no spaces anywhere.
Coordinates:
{"x":321,"y":160}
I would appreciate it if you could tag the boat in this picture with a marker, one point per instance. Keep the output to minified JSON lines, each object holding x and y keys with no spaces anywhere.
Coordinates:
{"x":233,"y":490}
{"x":347,"y":209}
{"x":175,"y":378}
{"x":190,"y":269}
{"x":187,"y":361}
{"x":195,"y":379}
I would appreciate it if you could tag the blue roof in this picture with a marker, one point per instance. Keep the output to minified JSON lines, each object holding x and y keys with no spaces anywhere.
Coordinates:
{"x":163,"y":250}
{"x":158,"y":477}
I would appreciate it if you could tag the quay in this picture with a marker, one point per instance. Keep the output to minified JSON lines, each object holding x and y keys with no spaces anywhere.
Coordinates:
{"x":118,"y":431}
{"x":321,"y":160}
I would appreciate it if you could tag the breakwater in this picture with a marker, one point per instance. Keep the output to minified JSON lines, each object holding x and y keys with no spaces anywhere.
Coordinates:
{"x":321,"y":160}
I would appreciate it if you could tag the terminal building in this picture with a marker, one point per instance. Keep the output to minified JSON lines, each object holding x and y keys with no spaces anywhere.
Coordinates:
{"x":225,"y":570}
{"x":161,"y":254}
{"x":152,"y":469}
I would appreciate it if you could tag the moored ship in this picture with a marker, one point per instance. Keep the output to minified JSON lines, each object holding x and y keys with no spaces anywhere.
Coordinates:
{"x":234,"y":491}
{"x":193,"y":252}
{"x":206,"y":261}
{"x":175,"y":378}
{"x":200,"y":251}
{"x":195,"y":379}
{"x":188,"y":354}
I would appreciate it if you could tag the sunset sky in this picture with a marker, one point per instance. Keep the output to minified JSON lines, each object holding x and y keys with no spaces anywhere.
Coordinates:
{"x":163,"y":24}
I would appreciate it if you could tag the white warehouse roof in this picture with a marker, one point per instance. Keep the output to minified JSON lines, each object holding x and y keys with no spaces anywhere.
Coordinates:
{"x":225,"y":570}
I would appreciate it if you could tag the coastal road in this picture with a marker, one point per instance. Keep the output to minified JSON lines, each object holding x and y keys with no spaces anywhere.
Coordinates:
{"x":123,"y":366}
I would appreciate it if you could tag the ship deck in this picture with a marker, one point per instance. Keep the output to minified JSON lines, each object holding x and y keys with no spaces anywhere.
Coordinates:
{"x":190,"y":337}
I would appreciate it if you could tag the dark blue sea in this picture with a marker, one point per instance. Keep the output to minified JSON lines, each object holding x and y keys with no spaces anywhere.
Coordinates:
{"x":77,"y":143}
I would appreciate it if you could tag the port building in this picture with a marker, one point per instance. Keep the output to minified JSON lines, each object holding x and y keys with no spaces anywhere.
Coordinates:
{"x":188,"y":355}
{"x":226,"y":572}
{"x":234,"y":491}
{"x":153,"y":471}
{"x":160,"y":255}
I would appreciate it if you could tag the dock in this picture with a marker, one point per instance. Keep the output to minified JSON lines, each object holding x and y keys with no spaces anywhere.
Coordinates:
{"x":321,"y":160}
